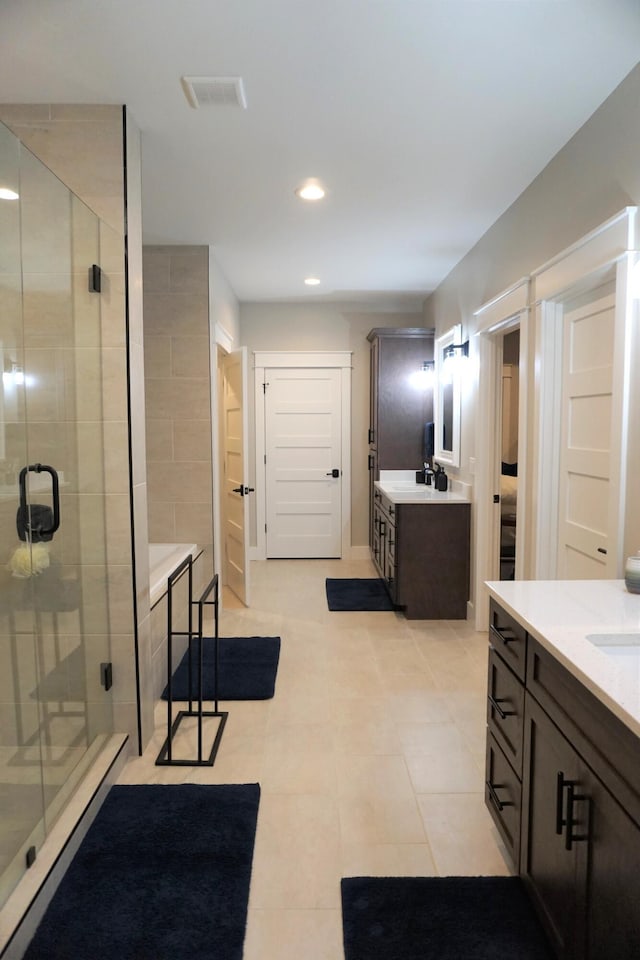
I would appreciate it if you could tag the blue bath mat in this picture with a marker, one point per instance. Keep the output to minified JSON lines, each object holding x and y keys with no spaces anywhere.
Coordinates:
{"x":440,"y":918}
{"x":248,"y":668}
{"x":357,"y":594}
{"x":162,"y":874}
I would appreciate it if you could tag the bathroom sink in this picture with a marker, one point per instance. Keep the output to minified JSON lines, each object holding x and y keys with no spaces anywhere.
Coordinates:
{"x":620,"y":646}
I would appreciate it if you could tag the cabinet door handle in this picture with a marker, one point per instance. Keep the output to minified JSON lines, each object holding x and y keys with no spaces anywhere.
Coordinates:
{"x":382,"y":528}
{"x":570,"y":837}
{"x":503,"y":633}
{"x":560,"y":785}
{"x":495,"y":799}
{"x":503,"y":714}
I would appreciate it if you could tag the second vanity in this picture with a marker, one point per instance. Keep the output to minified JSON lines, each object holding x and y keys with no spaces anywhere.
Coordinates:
{"x":563,"y":756}
{"x":420,"y":545}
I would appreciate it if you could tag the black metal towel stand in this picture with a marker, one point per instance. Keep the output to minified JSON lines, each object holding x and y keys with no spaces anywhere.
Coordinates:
{"x":165,"y":757}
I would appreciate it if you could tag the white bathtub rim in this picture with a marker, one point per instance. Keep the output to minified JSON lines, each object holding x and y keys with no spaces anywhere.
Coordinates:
{"x":159,"y":570}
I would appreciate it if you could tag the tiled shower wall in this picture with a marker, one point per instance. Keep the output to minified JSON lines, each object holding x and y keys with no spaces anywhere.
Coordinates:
{"x":84,"y":146}
{"x":178,"y":411}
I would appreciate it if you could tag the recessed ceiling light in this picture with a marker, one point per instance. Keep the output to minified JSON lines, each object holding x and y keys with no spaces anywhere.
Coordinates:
{"x":312,"y":281}
{"x":6,"y":194}
{"x":310,"y":190}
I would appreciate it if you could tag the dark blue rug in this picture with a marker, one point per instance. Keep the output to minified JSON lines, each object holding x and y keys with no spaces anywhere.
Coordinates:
{"x":440,"y":918}
{"x":248,"y":668}
{"x":357,"y":594}
{"x":162,"y":874}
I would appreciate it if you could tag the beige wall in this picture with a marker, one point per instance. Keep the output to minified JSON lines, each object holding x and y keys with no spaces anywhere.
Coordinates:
{"x":330,"y":326}
{"x":84,"y":147}
{"x":178,"y":395}
{"x":591,"y":179}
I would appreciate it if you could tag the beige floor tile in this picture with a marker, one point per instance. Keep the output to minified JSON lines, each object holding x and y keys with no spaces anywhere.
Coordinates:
{"x":387,"y":860}
{"x":453,"y":772}
{"x":294,"y":935}
{"x":429,"y":739}
{"x":461,"y":835}
{"x":380,"y":819}
{"x":297,"y":853}
{"x":366,"y":737}
{"x":301,"y":773}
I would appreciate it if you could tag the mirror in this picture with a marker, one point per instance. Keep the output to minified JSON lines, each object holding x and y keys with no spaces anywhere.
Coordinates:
{"x":447,"y":400}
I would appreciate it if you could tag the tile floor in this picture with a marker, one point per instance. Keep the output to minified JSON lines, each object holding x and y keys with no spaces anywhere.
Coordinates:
{"x":370,"y":756}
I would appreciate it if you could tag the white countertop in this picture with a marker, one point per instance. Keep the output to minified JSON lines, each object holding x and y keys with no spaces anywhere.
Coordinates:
{"x":561,"y":614}
{"x":400,"y":486}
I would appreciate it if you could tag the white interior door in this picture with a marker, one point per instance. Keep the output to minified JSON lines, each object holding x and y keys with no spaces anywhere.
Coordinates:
{"x":303,"y":452}
{"x":235,"y":487}
{"x":589,"y":466}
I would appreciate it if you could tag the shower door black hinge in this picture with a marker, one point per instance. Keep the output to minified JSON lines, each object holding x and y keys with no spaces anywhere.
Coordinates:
{"x":95,"y":278}
{"x":106,"y":675}
{"x":31,"y":857}
{"x":496,"y":498}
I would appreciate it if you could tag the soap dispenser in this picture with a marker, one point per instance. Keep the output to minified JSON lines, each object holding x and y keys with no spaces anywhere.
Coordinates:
{"x":442,"y":480}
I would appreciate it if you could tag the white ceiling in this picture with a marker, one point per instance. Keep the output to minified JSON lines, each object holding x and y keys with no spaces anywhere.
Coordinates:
{"x":424,"y":118}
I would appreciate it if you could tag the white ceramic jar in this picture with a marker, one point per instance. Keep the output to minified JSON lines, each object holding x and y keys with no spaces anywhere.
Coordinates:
{"x":632,"y":574}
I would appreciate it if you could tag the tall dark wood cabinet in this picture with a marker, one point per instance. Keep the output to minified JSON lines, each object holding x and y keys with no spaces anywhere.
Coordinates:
{"x":399,"y":408}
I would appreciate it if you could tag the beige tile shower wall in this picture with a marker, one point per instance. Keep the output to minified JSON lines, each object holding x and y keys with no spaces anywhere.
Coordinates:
{"x":84,"y":146}
{"x":178,"y":399}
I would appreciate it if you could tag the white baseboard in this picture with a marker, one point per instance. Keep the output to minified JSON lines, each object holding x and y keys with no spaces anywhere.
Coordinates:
{"x":360,"y":553}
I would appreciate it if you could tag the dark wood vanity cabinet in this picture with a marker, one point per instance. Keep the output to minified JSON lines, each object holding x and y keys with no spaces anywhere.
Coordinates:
{"x":579,"y":816}
{"x":421,"y":551}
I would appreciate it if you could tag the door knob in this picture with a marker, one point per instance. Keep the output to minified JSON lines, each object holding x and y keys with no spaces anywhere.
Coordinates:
{"x":334,"y":473}
{"x":243,"y":490}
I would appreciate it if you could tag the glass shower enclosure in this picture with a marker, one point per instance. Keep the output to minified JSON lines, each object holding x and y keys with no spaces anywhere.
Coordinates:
{"x":55,"y":702}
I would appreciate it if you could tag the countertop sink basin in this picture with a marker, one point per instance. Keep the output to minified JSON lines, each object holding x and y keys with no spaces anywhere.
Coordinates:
{"x":621,"y":646}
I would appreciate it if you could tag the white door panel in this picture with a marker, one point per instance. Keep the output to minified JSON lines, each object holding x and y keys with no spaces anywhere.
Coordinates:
{"x":587,"y":533}
{"x":303,"y":447}
{"x":236,"y":505}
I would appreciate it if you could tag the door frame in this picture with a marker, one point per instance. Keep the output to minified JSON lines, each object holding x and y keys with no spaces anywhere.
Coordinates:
{"x":505,"y":312}
{"x":264,"y":360}
{"x":607,"y":253}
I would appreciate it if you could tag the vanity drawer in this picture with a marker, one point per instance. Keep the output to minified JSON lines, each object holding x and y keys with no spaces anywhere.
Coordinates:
{"x":505,"y":710}
{"x":509,"y":639}
{"x":503,"y":797}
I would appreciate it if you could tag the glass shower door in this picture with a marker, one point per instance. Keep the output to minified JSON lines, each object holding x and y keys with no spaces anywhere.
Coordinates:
{"x":54,"y":617}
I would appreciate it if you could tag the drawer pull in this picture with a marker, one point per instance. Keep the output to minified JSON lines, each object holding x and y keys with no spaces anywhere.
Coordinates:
{"x":497,"y":802}
{"x":503,"y":714}
{"x":503,"y":633}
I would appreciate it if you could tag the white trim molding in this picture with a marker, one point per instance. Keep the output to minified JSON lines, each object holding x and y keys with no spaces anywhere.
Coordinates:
{"x":592,"y":254}
{"x":601,"y":256}
{"x":498,"y":312}
{"x":266,"y":359}
{"x":509,"y":310}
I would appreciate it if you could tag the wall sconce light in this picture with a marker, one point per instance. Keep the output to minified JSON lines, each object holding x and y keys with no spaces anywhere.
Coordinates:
{"x":452,"y":357}
{"x":423,"y":378}
{"x":13,"y":375}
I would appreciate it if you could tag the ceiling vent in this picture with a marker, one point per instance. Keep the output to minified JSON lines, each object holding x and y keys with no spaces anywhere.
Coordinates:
{"x":214,"y":92}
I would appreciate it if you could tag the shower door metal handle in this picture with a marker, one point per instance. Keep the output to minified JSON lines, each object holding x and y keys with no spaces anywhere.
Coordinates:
{"x":55,"y":492}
